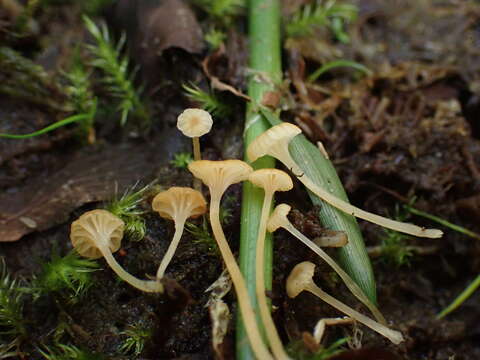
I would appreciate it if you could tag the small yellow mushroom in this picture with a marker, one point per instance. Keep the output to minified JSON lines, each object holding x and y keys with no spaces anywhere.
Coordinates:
{"x":177,"y":204}
{"x":271,"y":180}
{"x":218,"y":176}
{"x":301,"y":278}
{"x":274,"y":142}
{"x":279,"y":219}
{"x":98,"y":233}
{"x":195,"y":123}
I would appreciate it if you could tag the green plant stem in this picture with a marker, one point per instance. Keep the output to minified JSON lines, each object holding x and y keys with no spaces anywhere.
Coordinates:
{"x":460,"y":298}
{"x":338,"y":63}
{"x":55,"y":125}
{"x":264,"y":33}
{"x":443,"y":222}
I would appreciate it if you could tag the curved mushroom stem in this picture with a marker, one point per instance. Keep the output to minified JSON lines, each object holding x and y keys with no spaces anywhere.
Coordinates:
{"x":323,"y":194}
{"x":243,"y":297}
{"x":392,"y":335}
{"x":352,"y":285}
{"x":179,"y":225}
{"x":144,"y":285}
{"x":271,"y":331}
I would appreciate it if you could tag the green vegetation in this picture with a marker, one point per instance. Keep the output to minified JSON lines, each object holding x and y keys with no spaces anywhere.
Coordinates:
{"x":222,"y":11}
{"x":127,"y":208}
{"x":181,"y":160}
{"x":81,"y":95}
{"x":67,"y":352}
{"x":208,"y":101}
{"x":215,"y":38}
{"x":70,"y":275}
{"x":115,"y":67}
{"x":12,"y":321}
{"x":323,"y":13}
{"x":298,"y":351}
{"x":137,"y":336}
{"x":338,"y":63}
{"x":202,"y":236}
{"x":460,"y":299}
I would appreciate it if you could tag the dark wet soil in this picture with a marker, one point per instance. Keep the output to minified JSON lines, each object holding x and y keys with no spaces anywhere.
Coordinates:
{"x":411,"y":129}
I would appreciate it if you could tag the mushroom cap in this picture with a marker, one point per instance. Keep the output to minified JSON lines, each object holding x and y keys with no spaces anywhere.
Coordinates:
{"x":265,"y":143}
{"x":271,"y":179}
{"x":300,"y":277}
{"x":96,"y":228}
{"x":194,"y":122}
{"x":277,"y":218}
{"x":220,"y":174}
{"x":179,"y":201}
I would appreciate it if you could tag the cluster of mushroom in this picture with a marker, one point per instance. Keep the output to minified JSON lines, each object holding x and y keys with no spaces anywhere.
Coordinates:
{"x":98,"y":233}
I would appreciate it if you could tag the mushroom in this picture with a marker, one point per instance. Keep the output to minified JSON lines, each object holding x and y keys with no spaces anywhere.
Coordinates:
{"x":195,"y":123}
{"x":98,"y":233}
{"x":301,"y":278}
{"x":270,"y":180}
{"x":279,"y":219}
{"x":218,"y":176}
{"x":274,"y":142}
{"x":177,"y":204}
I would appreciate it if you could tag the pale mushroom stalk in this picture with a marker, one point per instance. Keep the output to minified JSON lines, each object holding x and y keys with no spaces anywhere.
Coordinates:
{"x":270,"y":180}
{"x":197,"y":155}
{"x":279,"y":219}
{"x":218,"y":175}
{"x":274,"y":142}
{"x":392,"y":335}
{"x":179,"y":225}
{"x":301,"y":278}
{"x":144,"y":285}
{"x":98,"y":233}
{"x":243,"y":298}
{"x":177,"y":204}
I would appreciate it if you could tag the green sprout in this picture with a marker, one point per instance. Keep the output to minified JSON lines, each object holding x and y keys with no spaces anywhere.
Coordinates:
{"x":137,"y":336}
{"x":81,"y":95}
{"x":222,"y":10}
{"x":394,"y":249}
{"x":181,"y":160}
{"x":67,"y":352}
{"x":298,"y":351}
{"x":127,"y":208}
{"x":322,"y":13}
{"x":12,"y":323}
{"x":208,"y":101}
{"x":202,"y":236}
{"x":115,"y":67}
{"x":71,"y":273}
{"x":215,"y":38}
{"x":338,"y":63}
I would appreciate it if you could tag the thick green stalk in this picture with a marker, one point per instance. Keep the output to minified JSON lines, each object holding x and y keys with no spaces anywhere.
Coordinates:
{"x":265,"y":61}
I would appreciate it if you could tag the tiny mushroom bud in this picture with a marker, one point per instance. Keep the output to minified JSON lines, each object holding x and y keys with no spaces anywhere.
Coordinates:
{"x":218,"y":176}
{"x":274,"y":142}
{"x":270,"y":180}
{"x":98,"y":233}
{"x":301,"y":278}
{"x":177,"y":204}
{"x":279,"y":219}
{"x":195,"y":123}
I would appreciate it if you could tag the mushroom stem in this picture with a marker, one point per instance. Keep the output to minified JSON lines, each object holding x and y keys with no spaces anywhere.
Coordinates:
{"x":406,"y":228}
{"x":392,"y":335}
{"x":179,"y":225}
{"x":144,"y":285}
{"x":271,"y":331}
{"x":352,"y":285}
{"x":243,"y":297}
{"x":197,"y":155}
{"x":196,"y":148}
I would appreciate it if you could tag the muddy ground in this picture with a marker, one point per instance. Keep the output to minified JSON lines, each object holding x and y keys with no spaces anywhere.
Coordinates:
{"x":409,"y":130}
